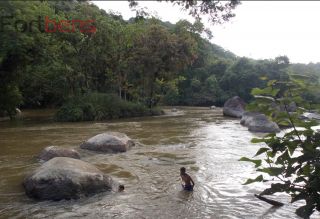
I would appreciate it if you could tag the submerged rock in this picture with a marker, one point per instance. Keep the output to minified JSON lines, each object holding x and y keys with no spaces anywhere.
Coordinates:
{"x":108,"y":142}
{"x":234,"y":107}
{"x":65,"y":178}
{"x":55,"y":151}
{"x":174,"y":110}
{"x":258,"y":122}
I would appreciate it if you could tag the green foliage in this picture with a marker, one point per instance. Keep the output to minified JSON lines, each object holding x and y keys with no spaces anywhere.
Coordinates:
{"x":10,"y":98}
{"x":291,"y":161}
{"x":142,"y":60}
{"x":257,"y":179}
{"x":97,"y":106}
{"x":75,"y":110}
{"x":256,"y":162}
{"x":217,"y":11}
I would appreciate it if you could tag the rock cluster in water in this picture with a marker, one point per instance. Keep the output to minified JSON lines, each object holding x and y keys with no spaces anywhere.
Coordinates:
{"x":65,"y":176}
{"x":256,"y":122}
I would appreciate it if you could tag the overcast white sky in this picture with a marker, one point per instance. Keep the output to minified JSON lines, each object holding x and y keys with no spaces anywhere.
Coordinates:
{"x":260,"y":30}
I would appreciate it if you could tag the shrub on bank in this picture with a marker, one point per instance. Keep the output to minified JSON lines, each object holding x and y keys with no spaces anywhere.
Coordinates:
{"x":98,"y":106}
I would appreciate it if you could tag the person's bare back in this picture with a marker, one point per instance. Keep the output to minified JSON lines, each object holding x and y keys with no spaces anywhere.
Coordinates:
{"x":186,"y":179}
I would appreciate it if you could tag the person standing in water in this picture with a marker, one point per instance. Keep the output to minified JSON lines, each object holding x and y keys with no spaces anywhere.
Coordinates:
{"x":187,"y":182}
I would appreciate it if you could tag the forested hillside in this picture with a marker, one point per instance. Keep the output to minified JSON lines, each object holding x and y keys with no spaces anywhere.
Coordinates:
{"x":116,"y":68}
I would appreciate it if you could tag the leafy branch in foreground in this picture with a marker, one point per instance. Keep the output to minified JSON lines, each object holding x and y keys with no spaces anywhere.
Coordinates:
{"x":217,"y":11}
{"x":291,"y":161}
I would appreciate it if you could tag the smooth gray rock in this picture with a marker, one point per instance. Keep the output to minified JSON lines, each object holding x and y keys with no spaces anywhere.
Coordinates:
{"x":108,"y":142}
{"x":258,"y":122}
{"x":234,"y":107}
{"x":65,"y":178}
{"x":55,"y":151}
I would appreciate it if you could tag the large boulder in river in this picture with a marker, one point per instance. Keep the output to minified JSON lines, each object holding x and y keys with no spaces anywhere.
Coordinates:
{"x":55,"y":151}
{"x":258,"y":122}
{"x":65,"y":178}
{"x":108,"y":142}
{"x":234,"y":107}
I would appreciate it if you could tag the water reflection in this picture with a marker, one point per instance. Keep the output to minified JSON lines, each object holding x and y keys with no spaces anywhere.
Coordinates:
{"x":185,"y":196}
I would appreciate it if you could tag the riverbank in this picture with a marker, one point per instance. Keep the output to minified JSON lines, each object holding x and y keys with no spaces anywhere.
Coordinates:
{"x":37,"y":115}
{"x":51,"y":114}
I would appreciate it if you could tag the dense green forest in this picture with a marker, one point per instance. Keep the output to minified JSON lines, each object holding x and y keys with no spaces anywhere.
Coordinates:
{"x":123,"y":68}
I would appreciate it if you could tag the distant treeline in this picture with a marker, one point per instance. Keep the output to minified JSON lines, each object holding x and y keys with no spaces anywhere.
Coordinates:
{"x":142,"y":61}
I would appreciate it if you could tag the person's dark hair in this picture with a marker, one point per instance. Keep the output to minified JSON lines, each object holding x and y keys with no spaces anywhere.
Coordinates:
{"x":121,"y":187}
{"x":182,"y":170}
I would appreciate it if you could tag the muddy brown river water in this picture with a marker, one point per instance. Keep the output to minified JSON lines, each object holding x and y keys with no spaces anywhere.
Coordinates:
{"x":206,"y":143}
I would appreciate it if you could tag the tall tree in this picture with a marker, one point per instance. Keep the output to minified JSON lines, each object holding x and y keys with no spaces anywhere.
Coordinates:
{"x":160,"y":55}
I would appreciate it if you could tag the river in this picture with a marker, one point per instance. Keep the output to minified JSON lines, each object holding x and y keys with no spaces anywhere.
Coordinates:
{"x":206,"y":143}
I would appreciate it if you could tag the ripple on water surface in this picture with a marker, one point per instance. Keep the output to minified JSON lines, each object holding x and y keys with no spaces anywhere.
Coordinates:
{"x":203,"y":141}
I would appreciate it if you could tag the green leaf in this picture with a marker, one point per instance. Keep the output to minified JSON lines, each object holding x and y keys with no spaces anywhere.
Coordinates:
{"x":306,"y":170}
{"x":298,"y":197}
{"x":261,"y":150}
{"x":270,"y":154}
{"x":305,"y":211}
{"x":274,"y":92}
{"x":258,"y":179}
{"x":298,"y":99}
{"x":268,"y":91}
{"x":270,"y":135}
{"x":275,"y":187}
{"x":283,"y":158}
{"x":284,"y":123}
{"x":272,"y":171}
{"x":256,"y":91}
{"x":256,"y":162}
{"x":300,"y":179}
{"x":257,"y":140}
{"x":271,"y":82}
{"x":263,"y":78}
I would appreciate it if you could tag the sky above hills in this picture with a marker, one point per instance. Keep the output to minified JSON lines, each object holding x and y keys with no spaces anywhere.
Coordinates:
{"x":260,"y":30}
